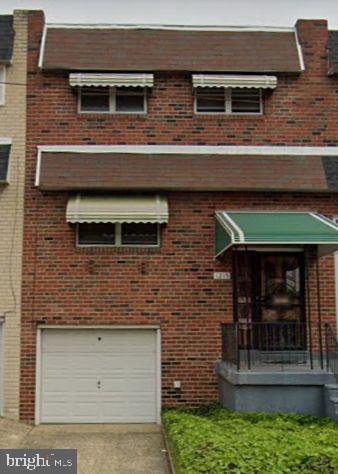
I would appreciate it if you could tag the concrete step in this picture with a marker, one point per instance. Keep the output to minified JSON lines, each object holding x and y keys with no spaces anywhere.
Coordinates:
{"x":331,"y":401}
{"x":332,"y":389}
{"x":334,"y":401}
{"x":331,"y":386}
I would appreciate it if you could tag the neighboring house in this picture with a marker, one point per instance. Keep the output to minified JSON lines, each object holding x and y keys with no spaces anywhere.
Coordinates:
{"x":144,"y":146}
{"x":13,"y":72}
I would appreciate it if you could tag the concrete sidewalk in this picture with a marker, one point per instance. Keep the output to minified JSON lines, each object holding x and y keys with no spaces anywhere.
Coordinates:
{"x":102,"y":449}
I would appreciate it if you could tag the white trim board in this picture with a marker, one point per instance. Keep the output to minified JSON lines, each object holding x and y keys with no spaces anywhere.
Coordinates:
{"x":300,"y":51}
{"x":158,"y":26}
{"x":194,"y":149}
{"x":42,"y":47}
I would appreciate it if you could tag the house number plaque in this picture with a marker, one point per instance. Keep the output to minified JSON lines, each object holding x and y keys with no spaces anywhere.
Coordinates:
{"x":222,"y":276}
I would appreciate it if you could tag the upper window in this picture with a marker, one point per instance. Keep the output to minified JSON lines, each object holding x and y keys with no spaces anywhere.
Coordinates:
{"x":115,"y":100}
{"x":2,"y":84}
{"x":228,"y":101}
{"x":118,"y":235}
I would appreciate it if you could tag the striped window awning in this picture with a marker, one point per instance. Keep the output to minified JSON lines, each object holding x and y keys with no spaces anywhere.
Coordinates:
{"x":117,"y":208}
{"x":234,"y":81}
{"x":111,"y":80}
{"x":256,"y":228}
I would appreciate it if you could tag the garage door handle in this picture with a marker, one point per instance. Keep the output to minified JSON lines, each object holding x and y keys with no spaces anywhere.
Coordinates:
{"x":98,"y":384}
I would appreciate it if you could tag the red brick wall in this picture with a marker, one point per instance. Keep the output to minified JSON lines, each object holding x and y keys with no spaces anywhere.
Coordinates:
{"x":173,"y":286}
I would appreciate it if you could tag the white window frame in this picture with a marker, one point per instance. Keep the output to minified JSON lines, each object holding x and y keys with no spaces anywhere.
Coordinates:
{"x":112,"y":104}
{"x":2,"y":84}
{"x":118,"y":239}
{"x":228,"y":104}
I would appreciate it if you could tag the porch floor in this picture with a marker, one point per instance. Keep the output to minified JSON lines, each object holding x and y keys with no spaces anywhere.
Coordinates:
{"x":281,"y":361}
{"x":291,"y":367}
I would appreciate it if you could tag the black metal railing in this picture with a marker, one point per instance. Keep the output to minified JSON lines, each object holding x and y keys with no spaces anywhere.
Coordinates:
{"x":331,"y":349}
{"x":230,"y":343}
{"x":268,"y":345}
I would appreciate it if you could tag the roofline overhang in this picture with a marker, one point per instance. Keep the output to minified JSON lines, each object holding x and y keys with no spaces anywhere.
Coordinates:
{"x":245,"y":28}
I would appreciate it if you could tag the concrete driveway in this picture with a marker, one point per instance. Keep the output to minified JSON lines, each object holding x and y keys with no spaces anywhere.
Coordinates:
{"x":120,"y":449}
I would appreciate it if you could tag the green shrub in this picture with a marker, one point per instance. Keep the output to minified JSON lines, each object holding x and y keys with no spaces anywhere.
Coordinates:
{"x":216,"y":441}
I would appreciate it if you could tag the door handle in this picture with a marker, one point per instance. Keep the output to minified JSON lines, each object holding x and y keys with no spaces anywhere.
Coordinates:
{"x":98,"y":384}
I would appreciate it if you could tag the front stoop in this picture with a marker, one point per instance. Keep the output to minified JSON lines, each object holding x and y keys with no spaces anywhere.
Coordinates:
{"x":331,"y":401}
{"x":290,"y":391}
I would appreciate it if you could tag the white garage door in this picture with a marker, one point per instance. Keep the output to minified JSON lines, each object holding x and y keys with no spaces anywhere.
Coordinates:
{"x":98,"y":376}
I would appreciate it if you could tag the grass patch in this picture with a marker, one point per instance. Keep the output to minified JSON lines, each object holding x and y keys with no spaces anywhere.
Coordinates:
{"x":216,"y":441}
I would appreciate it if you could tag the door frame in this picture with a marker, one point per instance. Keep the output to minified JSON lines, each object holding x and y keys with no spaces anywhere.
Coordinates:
{"x":38,"y":367}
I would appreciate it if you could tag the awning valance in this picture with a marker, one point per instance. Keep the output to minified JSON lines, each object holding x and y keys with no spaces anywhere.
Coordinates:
{"x":254,"y":228}
{"x":111,"y":80}
{"x":239,"y":81}
{"x":108,"y":208}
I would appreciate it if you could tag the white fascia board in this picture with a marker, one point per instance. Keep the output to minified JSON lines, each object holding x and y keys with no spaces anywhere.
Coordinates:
{"x":193,"y":149}
{"x":38,"y":168}
{"x":111,"y":80}
{"x":42,"y":47}
{"x":300,"y":52}
{"x":244,"y":28}
{"x":239,"y":81}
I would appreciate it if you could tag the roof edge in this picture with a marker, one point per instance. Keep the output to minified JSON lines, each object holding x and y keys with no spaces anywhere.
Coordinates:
{"x":159,"y":26}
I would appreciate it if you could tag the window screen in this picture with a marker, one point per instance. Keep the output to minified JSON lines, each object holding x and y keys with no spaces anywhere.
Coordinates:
{"x":246,"y":101}
{"x":135,"y":234}
{"x":210,"y":100}
{"x":96,"y":234}
{"x":127,"y":100}
{"x":95,"y":99}
{"x":139,"y":234}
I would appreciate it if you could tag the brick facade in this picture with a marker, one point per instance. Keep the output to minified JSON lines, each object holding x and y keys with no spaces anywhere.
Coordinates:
{"x":173,"y":286}
{"x":13,"y":126}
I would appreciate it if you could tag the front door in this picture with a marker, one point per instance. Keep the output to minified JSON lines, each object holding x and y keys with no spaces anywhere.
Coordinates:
{"x":269,"y":292}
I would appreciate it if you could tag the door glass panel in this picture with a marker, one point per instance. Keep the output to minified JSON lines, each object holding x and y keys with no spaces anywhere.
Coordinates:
{"x":280,"y":298}
{"x":269,"y":291}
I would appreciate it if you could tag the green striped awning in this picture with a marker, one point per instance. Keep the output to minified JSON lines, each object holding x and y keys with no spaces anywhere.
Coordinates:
{"x":274,"y":228}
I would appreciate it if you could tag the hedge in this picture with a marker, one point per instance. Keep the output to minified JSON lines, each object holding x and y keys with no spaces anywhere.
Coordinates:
{"x":217,"y":441}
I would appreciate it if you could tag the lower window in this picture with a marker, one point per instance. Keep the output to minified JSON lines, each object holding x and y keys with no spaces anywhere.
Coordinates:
{"x":118,"y":235}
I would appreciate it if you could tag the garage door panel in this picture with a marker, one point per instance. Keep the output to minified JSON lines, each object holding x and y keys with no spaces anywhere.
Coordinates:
{"x":82,"y":343}
{"x":122,"y":361}
{"x":143,"y":385}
